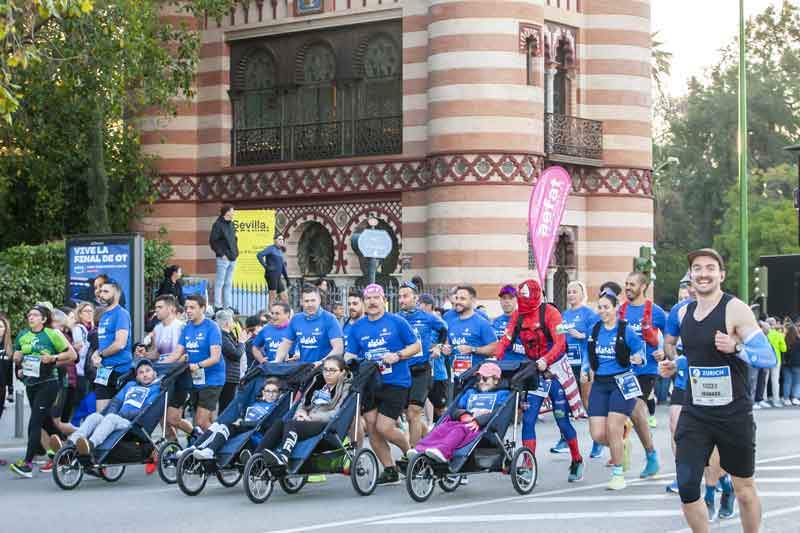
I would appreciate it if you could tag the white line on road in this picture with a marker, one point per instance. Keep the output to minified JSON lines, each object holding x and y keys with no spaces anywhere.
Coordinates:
{"x":776,"y":468}
{"x":777,"y":479}
{"x":476,"y":518}
{"x":738,"y":521}
{"x":635,"y":497}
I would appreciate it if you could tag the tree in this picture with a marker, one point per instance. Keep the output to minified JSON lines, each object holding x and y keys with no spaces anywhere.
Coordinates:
{"x":72,"y":149}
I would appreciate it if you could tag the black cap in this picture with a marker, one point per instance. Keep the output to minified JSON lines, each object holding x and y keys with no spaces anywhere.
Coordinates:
{"x":252,"y":321}
{"x":143,"y":361}
{"x":427,"y":299}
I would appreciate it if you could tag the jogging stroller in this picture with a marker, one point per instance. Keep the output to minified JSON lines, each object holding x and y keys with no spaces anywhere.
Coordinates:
{"x":490,"y":451}
{"x":130,"y":446}
{"x":329,"y":452}
{"x":229,"y":462}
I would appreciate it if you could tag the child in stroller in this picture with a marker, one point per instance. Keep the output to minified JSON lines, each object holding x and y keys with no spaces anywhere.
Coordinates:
{"x":474,"y":411}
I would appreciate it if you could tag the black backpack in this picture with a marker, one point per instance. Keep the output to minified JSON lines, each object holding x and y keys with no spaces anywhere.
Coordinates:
{"x":621,"y":351}
{"x":518,"y":326}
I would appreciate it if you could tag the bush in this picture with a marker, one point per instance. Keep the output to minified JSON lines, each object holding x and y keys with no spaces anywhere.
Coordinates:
{"x":35,"y":273}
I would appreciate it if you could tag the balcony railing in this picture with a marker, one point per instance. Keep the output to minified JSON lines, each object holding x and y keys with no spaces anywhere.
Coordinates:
{"x":573,"y":139}
{"x":320,"y":140}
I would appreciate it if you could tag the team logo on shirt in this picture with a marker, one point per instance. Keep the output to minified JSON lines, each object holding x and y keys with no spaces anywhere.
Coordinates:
{"x":458,"y":341}
{"x":308,"y":340}
{"x":376,"y":343}
{"x":192,"y":345}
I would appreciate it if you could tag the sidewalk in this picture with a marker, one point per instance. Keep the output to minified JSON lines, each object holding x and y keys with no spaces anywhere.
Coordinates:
{"x":7,"y":439}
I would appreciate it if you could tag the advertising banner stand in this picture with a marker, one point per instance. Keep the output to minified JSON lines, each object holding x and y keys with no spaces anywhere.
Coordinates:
{"x":118,"y":256}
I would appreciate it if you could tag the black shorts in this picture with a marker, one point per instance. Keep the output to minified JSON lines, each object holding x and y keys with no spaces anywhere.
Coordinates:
{"x":647,"y":383}
{"x":274,"y":281}
{"x":438,"y":394}
{"x":107,"y":392}
{"x":421,"y":379}
{"x":67,"y":402}
{"x":678,"y":396}
{"x":734,"y":437}
{"x":207,"y":398}
{"x":180,"y":391}
{"x":389,"y":400}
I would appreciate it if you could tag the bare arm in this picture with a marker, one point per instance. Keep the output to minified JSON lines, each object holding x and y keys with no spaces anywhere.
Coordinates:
{"x":337,"y":347}
{"x":176,"y":356}
{"x":257,"y":355}
{"x":283,"y":350}
{"x":487,"y":350}
{"x":120,"y":341}
{"x":740,"y":319}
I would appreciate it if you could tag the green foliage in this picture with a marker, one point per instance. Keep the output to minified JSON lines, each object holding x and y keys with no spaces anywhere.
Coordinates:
{"x":35,"y":273}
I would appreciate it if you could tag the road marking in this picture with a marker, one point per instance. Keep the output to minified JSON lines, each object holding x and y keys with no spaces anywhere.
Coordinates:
{"x":634,"y":497}
{"x":473,"y":504}
{"x":738,"y":522}
{"x":776,"y":468}
{"x":777,"y":479}
{"x":476,"y":518}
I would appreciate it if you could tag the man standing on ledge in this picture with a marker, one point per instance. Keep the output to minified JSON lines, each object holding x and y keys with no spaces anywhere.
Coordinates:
{"x":720,"y":339}
{"x":226,"y":249}
{"x":274,"y":263}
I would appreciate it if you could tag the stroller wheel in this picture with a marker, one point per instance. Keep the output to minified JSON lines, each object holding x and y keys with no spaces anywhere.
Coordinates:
{"x":420,"y":478}
{"x":229,"y":477}
{"x":258,"y":481}
{"x":192,"y":475}
{"x":168,"y":461}
{"x":67,"y":469}
{"x":449,"y":483}
{"x":112,"y":473}
{"x":364,"y":472}
{"x":292,"y":484}
{"x":524,"y":471}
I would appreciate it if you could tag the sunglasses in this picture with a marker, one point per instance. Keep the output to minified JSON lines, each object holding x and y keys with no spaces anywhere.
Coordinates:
{"x":486,"y":378}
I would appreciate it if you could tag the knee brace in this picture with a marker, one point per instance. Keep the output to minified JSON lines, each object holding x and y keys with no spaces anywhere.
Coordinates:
{"x":688,"y":483}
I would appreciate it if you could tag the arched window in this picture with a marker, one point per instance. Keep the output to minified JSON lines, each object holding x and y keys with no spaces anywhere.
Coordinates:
{"x":257,"y":110}
{"x":318,"y":130}
{"x":379,"y":127}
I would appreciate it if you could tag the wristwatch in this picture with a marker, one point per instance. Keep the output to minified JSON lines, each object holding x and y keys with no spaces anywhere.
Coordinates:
{"x":739,"y":348}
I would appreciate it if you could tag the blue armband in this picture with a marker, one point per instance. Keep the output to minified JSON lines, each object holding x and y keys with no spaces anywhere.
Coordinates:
{"x":758,"y":352}
{"x":682,"y":375}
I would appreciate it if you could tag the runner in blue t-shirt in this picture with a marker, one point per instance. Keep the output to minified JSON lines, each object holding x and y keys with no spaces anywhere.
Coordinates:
{"x":426,"y":326}
{"x":390,"y":341}
{"x":114,"y":354}
{"x":471,"y":338}
{"x":200,"y":345}
{"x":315,"y":331}
{"x":439,"y":390}
{"x":267,"y":341}
{"x":508,"y":303}
{"x":615,"y":387}
{"x":647,"y":319}
{"x":355,"y":312}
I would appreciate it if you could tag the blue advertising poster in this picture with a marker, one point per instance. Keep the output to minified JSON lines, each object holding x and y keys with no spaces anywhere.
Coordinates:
{"x":88,"y":260}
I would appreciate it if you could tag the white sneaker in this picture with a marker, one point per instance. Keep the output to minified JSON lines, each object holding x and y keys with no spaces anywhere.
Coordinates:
{"x":756,"y":406}
{"x":787,"y":402}
{"x":765,"y":404}
{"x":205,"y":454}
{"x":796,"y":401}
{"x":411,"y":453}
{"x":184,"y":451}
{"x":436,"y":455}
{"x":777,"y":404}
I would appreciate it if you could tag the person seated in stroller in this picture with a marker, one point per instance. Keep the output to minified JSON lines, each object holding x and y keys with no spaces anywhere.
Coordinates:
{"x":320,"y":402}
{"x":212,"y":441}
{"x":134,"y":398}
{"x":475,"y":409}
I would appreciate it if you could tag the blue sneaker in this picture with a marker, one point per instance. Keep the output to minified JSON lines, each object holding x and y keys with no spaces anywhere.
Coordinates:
{"x":652,"y":466}
{"x":597,"y":450}
{"x":673,"y":487}
{"x":560,"y":447}
{"x":727,"y":505}
{"x":575,"y":472}
{"x":711,"y":510}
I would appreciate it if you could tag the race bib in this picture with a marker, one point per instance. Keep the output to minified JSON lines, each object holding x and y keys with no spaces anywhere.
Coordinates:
{"x":199,"y":376}
{"x":544,"y":388}
{"x":136,"y":396}
{"x":461,"y":363}
{"x":574,"y":354}
{"x":31,"y":366}
{"x":481,"y":404}
{"x":628,"y":385}
{"x":255,"y":413}
{"x":321,"y":397}
{"x":385,"y":368}
{"x":711,"y":386}
{"x":103,"y":375}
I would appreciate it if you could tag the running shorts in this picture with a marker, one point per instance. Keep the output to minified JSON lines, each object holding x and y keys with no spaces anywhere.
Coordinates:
{"x":274,"y":281}
{"x":421,"y":379}
{"x":438,"y":394}
{"x":207,"y":398}
{"x":389,"y":400}
{"x":606,"y":398}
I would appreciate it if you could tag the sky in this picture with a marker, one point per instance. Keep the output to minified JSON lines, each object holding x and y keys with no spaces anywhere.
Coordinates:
{"x":695,"y":40}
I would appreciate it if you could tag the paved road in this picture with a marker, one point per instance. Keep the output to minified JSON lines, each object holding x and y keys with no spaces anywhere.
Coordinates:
{"x":488,"y":503}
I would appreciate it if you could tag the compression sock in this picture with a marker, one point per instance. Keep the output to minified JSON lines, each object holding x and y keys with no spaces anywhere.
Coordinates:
{"x":651,"y":406}
{"x":710,"y":492}
{"x":574,"y":450}
{"x":530,"y":444}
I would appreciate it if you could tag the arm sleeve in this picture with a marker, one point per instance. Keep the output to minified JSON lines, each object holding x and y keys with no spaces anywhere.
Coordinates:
{"x":262,"y":257}
{"x":758,"y":352}
{"x":552,"y":321}
{"x":229,"y":349}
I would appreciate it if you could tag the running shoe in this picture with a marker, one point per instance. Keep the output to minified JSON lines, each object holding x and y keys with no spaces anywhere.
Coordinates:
{"x":597,"y":450}
{"x":22,"y":468}
{"x":575,"y":472}
{"x":787,"y":402}
{"x":150,"y":464}
{"x":765,"y":404}
{"x":389,"y":476}
{"x":652,"y":422}
{"x":464,"y":480}
{"x":204,"y":454}
{"x":181,"y":453}
{"x":560,"y":447}
{"x":47,"y":467}
{"x":652,"y":466}
{"x":756,"y":407}
{"x":673,"y":487}
{"x":795,"y":401}
{"x":411,"y":453}
{"x":317,"y":478}
{"x":711,"y":509}
{"x":727,"y":504}
{"x":617,"y":481}
{"x":776,"y":404}
{"x":436,"y":455}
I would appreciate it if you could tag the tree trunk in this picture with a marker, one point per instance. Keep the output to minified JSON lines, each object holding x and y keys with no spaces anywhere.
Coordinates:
{"x":96,"y":176}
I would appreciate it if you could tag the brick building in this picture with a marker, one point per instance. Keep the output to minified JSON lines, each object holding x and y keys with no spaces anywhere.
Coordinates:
{"x":435,"y":117}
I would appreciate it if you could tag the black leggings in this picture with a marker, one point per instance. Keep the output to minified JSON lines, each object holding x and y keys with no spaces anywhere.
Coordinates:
{"x":41,"y":398}
{"x":278,"y":431}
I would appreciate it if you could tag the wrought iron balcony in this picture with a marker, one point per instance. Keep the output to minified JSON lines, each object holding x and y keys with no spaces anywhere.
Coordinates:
{"x":573,"y":139}
{"x":320,"y":140}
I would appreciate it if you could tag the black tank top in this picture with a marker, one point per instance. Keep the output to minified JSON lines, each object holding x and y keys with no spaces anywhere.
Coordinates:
{"x":700,"y":351}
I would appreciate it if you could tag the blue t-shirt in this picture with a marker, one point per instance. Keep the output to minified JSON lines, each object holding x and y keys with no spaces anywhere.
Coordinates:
{"x":582,"y":320}
{"x":197,"y":341}
{"x":134,"y":398}
{"x":673,"y":327}
{"x":313,"y":335}
{"x":371,"y":339}
{"x":633,"y":315}
{"x":474,"y":331}
{"x":112,"y":321}
{"x":268,"y":340}
{"x":451,"y":315}
{"x":480,"y":403}
{"x":515,"y":350}
{"x":257,"y":411}
{"x":606,"y":349}
{"x":427,"y":327}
